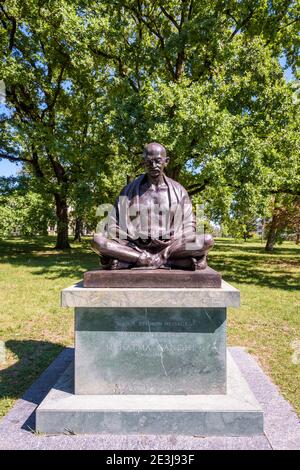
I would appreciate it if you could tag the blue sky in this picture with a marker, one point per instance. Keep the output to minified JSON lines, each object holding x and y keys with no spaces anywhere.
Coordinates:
{"x":8,"y":168}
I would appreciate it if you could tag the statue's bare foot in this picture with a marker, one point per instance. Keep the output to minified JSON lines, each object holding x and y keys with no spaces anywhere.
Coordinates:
{"x":200,"y":263}
{"x":114,"y":264}
{"x":107,"y":263}
{"x":122,"y":265}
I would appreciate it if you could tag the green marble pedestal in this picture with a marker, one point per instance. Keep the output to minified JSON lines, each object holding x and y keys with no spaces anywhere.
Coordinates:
{"x":150,"y":351}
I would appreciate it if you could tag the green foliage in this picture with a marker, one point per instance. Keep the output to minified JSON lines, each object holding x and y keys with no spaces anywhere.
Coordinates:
{"x":27,"y":214}
{"x":88,"y":83}
{"x":285,"y":220}
{"x":240,"y":228}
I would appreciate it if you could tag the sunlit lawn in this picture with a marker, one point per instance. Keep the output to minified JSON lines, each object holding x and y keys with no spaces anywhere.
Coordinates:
{"x":35,"y":328}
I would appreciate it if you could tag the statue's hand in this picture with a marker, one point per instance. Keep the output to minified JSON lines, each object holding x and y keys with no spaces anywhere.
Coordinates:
{"x":148,"y":260}
{"x":157,"y":261}
{"x":145,"y":260}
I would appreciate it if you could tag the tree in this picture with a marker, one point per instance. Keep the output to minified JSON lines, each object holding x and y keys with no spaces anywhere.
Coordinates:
{"x":90,"y":82}
{"x":48,"y":124}
{"x":205,"y":79}
{"x":22,"y":210}
{"x":285,"y":219}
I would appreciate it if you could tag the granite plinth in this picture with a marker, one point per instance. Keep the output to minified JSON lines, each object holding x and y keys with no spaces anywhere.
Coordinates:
{"x":150,"y":351}
{"x":152,"y":278}
{"x":150,"y":340}
{"x":235,"y":414}
{"x":79,"y":296}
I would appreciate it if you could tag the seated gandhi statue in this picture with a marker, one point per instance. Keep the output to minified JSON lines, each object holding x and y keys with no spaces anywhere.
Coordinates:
{"x":152,"y":224}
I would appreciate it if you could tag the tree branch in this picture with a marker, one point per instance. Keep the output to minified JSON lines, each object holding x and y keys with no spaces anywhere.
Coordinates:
{"x":227,"y":12}
{"x":157,"y":34}
{"x":197,"y":188}
{"x":179,"y":67}
{"x":103,"y":54}
{"x":20,"y":104}
{"x":117,"y":60}
{"x":184,"y":12}
{"x":293,"y":192}
{"x":190,"y":10}
{"x":58,"y":169}
{"x":140,"y":17}
{"x":13,"y":27}
{"x":33,"y":161}
{"x":50,"y":105}
{"x":170,"y":17}
{"x":7,"y":156}
{"x":242,"y":24}
{"x":35,"y":164}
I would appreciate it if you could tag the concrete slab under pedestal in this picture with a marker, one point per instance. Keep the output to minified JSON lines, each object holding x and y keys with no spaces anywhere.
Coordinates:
{"x":237,"y":413}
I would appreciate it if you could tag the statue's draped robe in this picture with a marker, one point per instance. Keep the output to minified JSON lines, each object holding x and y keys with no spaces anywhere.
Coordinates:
{"x":128,"y":225}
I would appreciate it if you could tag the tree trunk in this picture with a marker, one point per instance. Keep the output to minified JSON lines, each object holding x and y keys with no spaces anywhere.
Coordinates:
{"x":62,"y":240}
{"x":271,"y":240}
{"x":298,"y":238}
{"x":130,"y":178}
{"x":78,"y":229}
{"x":173,"y":171}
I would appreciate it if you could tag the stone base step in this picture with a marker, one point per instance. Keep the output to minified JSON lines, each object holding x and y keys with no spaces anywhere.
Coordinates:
{"x":235,"y":414}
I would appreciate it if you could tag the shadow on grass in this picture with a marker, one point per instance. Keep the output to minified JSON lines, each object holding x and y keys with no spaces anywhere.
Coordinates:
{"x":53,"y":263}
{"x":33,"y":358}
{"x":245,"y":275}
{"x":240,"y":264}
{"x":248,"y":263}
{"x":31,"y":377}
{"x":248,"y":247}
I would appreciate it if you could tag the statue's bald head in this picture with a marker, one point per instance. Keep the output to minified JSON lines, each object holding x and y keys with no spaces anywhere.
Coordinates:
{"x":155,"y":159}
{"x":154,"y":148}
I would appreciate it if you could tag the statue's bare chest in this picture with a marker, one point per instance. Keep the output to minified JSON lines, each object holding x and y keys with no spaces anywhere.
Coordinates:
{"x":158,"y":196}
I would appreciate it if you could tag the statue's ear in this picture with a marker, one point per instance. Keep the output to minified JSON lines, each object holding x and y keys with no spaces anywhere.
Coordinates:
{"x":167,"y":161}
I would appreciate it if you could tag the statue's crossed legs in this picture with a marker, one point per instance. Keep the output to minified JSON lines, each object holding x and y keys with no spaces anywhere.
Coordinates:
{"x":177,"y":253}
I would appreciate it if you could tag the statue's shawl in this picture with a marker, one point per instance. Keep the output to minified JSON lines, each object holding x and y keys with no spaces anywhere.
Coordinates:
{"x":182,"y":220}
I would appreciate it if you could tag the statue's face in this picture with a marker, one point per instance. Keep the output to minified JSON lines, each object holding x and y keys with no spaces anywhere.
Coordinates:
{"x":155,"y":161}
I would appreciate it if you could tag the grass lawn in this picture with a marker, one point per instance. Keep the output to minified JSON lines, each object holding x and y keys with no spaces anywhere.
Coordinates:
{"x":34,"y":329}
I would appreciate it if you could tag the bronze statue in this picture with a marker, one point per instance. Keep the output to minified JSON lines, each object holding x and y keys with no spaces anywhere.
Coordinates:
{"x":152,"y":225}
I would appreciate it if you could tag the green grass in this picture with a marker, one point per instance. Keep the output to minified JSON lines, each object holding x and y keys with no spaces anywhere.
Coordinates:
{"x":35,"y":328}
